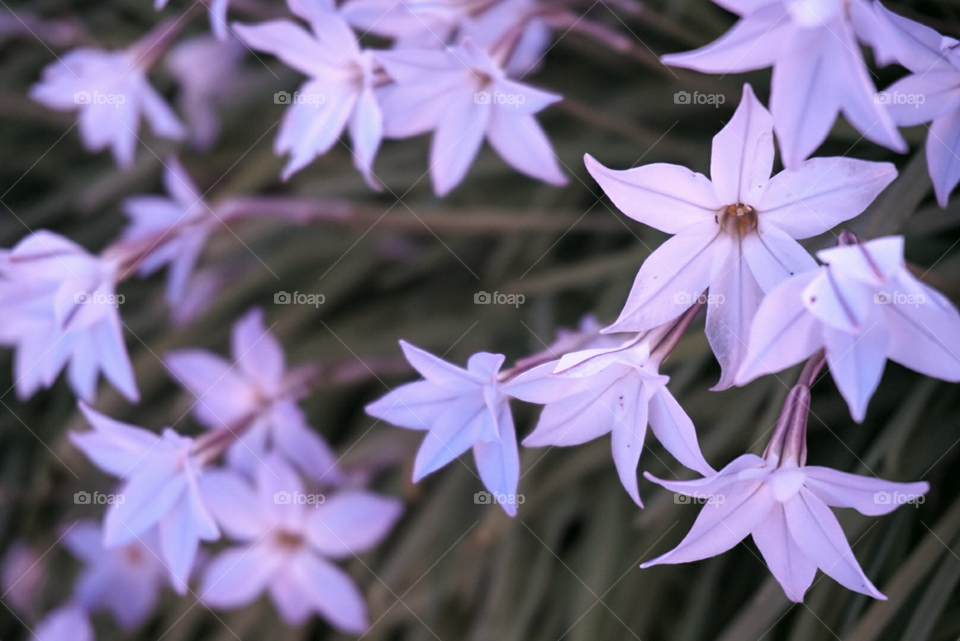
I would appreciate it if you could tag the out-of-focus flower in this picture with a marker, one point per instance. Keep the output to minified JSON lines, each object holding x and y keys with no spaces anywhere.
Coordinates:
{"x":459,"y":409}
{"x":736,"y":234}
{"x":863,"y":307}
{"x":930,"y":93}
{"x":463,"y":96}
{"x":413,"y":23}
{"x":218,"y":16}
{"x":256,"y":394}
{"x":818,"y":70}
{"x":594,"y":392}
{"x":512,"y":29}
{"x":21,"y":577}
{"x":66,"y":623}
{"x":125,"y":580}
{"x":169,"y":231}
{"x":288,"y":537}
{"x":111,"y":92}
{"x":783,"y":503}
{"x":207,"y":70}
{"x":57,"y":306}
{"x":338,"y":95}
{"x":161,"y":476}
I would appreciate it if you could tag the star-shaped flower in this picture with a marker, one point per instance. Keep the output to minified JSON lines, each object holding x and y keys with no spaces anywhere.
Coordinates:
{"x":459,"y":409}
{"x":57,"y":306}
{"x":256,"y":397}
{"x":818,"y":70}
{"x":784,"y":503}
{"x":864,"y":306}
{"x":111,"y":91}
{"x":338,"y":95}
{"x":463,"y":96}
{"x":594,"y":392}
{"x":288,"y":537}
{"x":125,"y":580}
{"x":67,"y":623}
{"x":735,"y":232}
{"x":161,"y":477}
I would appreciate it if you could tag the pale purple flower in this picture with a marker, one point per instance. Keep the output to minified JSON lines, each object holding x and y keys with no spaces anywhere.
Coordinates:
{"x":864,"y":306}
{"x":207,"y":70}
{"x":169,"y":230}
{"x":338,"y":95}
{"x":735,"y":232}
{"x":125,"y":580}
{"x":590,"y":393}
{"x":111,"y":91}
{"x":464,"y":97}
{"x":818,"y":70}
{"x":459,"y":409}
{"x":218,"y":15}
{"x":67,"y":623}
{"x":930,"y":93}
{"x":515,"y":26}
{"x":784,"y":503}
{"x":413,"y":23}
{"x":58,"y":308}
{"x":255,"y":396}
{"x":287,"y":540}
{"x":160,"y":477}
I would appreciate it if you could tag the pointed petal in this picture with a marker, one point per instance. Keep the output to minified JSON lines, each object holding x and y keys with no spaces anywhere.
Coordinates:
{"x":924,"y":335}
{"x":438,"y":370}
{"x":675,"y":431}
{"x":351,"y":523}
{"x":522,"y":143}
{"x":301,"y":445}
{"x":238,"y":575}
{"x":666,"y":197}
{"x":232,"y":502}
{"x":943,"y":144}
{"x":742,"y":156}
{"x":867,"y":495}
{"x":790,"y":566}
{"x":628,"y":433}
{"x":113,"y":446}
{"x":257,"y":351}
{"x":454,"y":432}
{"x":415,"y":406}
{"x":179,"y":542}
{"x":457,"y":141}
{"x":331,"y":592}
{"x":499,"y":463}
{"x":773,"y":256}
{"x":856,"y":362}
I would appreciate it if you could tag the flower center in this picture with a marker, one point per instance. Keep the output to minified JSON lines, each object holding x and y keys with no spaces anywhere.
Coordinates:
{"x":739,"y":219}
{"x":289,"y":540}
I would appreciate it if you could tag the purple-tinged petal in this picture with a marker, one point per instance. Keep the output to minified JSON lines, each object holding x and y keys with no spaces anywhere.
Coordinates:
{"x":675,"y":431}
{"x":331,"y":592}
{"x":523,"y":145}
{"x":258,"y":352}
{"x":742,"y":156}
{"x":774,"y":256}
{"x":237,"y":576}
{"x":629,"y":428}
{"x":351,"y":523}
{"x":499,"y":462}
{"x":856,"y":362}
{"x":790,"y":566}
{"x":457,"y":141}
{"x":943,"y":143}
{"x":867,"y":495}
{"x":924,"y":335}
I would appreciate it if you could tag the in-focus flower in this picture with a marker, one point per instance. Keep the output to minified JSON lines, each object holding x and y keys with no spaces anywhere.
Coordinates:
{"x":590,"y":393}
{"x":66,"y":623}
{"x":287,"y":538}
{"x":256,"y":397}
{"x":338,"y":95}
{"x":169,"y":231}
{"x":784,"y":503}
{"x":463,"y":96}
{"x":735,"y":232}
{"x":818,"y":70}
{"x":207,"y":70}
{"x":930,"y":93}
{"x":160,"y":477}
{"x":58,"y":306}
{"x":459,"y":409}
{"x":125,"y":580}
{"x":111,"y":91}
{"x":864,"y":306}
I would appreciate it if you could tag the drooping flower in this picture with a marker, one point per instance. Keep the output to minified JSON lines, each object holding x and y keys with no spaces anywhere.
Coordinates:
{"x":735,"y":232}
{"x":818,"y":70}
{"x":58,"y":307}
{"x":864,"y":306}
{"x":590,"y":393}
{"x":338,"y":95}
{"x":170,"y":231}
{"x":930,"y":93}
{"x":287,"y":540}
{"x":464,"y":97}
{"x":125,"y":580}
{"x":111,"y":91}
{"x":785,"y":504}
{"x":67,"y":623}
{"x":459,"y":409}
{"x":161,"y":477}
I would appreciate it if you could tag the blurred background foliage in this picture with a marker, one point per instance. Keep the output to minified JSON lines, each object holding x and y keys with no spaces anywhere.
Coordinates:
{"x":404,"y":264}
